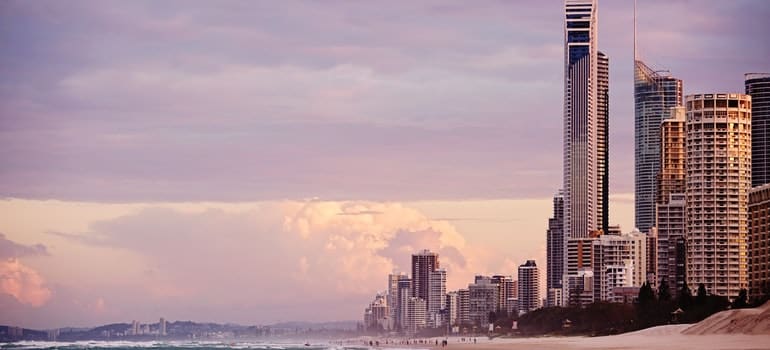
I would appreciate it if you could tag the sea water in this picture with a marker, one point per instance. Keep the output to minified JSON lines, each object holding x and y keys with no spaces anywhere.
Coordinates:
{"x":167,"y":345}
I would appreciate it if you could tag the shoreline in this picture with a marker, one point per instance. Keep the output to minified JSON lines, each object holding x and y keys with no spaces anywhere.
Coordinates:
{"x":669,"y":337}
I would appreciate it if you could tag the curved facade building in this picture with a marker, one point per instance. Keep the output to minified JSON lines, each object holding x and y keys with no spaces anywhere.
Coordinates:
{"x":718,"y":180}
{"x":758,"y":86}
{"x":655,"y":93}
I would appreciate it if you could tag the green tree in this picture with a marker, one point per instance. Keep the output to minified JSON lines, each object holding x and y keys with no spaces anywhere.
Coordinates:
{"x":646,"y":294}
{"x":685,"y":298}
{"x":492,"y":317}
{"x":741,"y":301}
{"x":700,"y":298}
{"x":664,"y":293}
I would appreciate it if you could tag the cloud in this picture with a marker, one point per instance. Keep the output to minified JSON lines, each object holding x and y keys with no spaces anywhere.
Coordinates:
{"x":10,"y":249}
{"x":262,"y":259}
{"x":23,"y":283}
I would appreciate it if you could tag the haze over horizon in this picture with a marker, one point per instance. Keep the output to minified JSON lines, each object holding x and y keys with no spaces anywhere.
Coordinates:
{"x":252,"y":162}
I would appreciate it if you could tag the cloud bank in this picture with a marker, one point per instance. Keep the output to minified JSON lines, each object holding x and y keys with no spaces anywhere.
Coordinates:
{"x":248,"y":263}
{"x":23,"y":283}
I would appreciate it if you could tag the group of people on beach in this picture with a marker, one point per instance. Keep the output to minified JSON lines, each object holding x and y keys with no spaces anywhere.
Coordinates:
{"x":443,"y":343}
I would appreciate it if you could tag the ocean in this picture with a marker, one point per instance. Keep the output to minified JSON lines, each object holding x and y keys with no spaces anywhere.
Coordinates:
{"x":169,"y":345}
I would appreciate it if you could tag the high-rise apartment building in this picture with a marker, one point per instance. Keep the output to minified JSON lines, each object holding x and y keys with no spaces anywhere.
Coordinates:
{"x":586,"y":131}
{"x":670,"y":224}
{"x":555,"y":249}
{"x":505,"y":290}
{"x":393,"y":299}
{"x":655,"y":93}
{"x":759,"y":241}
{"x":758,"y":86}
{"x":464,"y":307}
{"x":403,"y":293}
{"x":529,"y":287}
{"x":437,"y":297}
{"x":718,"y":179}
{"x":581,"y":140}
{"x":423,"y":263}
{"x":482,"y":298}
{"x":579,"y":257}
{"x":376,"y":315}
{"x":415,"y":315}
{"x":453,"y":307}
{"x":670,"y":214}
{"x":671,"y":176}
{"x":618,"y":261}
{"x":651,"y":242}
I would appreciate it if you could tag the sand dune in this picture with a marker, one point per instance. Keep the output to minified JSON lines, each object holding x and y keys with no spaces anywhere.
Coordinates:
{"x":740,"y":321}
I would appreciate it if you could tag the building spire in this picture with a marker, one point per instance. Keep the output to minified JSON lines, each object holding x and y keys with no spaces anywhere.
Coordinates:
{"x":635,"y":57}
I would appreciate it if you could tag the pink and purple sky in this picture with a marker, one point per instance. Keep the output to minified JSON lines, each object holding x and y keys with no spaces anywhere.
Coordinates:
{"x":254,"y":162}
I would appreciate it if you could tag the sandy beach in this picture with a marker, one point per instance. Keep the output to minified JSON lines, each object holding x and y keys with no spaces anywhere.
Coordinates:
{"x":744,"y":329}
{"x":663,"y":337}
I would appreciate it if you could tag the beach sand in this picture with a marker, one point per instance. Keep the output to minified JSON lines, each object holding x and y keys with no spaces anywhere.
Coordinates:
{"x":663,"y":337}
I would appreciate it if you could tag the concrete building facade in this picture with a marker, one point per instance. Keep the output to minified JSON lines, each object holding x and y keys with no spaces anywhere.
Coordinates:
{"x":437,"y":300}
{"x":529,"y":287}
{"x":718,"y":179}
{"x":483,"y":299}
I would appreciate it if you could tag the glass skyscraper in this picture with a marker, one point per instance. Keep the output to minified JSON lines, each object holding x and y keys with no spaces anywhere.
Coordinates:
{"x":655,"y":92}
{"x":758,"y":86}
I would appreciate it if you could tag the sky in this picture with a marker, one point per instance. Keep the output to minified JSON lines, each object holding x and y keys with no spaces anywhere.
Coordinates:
{"x":256,"y":162}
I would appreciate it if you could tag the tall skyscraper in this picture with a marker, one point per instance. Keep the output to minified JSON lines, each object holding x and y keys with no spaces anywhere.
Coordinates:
{"x":655,"y":92}
{"x":555,"y":249}
{"x":758,"y":86}
{"x":529,"y":287}
{"x":581,"y":135}
{"x":718,"y":180}
{"x":423,"y":263}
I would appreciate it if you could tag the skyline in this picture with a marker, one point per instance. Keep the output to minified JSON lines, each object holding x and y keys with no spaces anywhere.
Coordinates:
{"x":451,"y":95}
